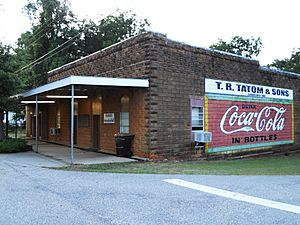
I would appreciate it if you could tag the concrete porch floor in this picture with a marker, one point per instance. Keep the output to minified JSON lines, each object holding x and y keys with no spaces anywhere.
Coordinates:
{"x":62,"y":153}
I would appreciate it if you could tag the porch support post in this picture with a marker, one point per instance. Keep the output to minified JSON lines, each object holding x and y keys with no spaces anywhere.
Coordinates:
{"x":36,"y":124}
{"x":72,"y":125}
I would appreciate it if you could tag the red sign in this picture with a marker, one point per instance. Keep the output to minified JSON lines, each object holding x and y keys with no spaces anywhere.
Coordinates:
{"x":255,"y":124}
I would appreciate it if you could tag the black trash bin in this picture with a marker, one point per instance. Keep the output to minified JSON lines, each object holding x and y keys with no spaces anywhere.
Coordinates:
{"x":123,"y":144}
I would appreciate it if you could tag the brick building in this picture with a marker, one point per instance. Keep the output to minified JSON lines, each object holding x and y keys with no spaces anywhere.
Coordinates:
{"x":163,"y":91}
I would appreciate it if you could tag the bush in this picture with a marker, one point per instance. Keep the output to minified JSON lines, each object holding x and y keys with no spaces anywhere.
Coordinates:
{"x":14,"y":145}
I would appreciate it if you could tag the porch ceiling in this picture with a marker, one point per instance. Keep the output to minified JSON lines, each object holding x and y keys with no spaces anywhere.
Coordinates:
{"x":81,"y":81}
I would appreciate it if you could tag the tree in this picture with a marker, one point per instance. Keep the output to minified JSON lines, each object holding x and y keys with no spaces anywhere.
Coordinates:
{"x":110,"y":30}
{"x":8,"y":84}
{"x":52,"y":25}
{"x":249,"y":47}
{"x":57,"y":37}
{"x":292,"y":64}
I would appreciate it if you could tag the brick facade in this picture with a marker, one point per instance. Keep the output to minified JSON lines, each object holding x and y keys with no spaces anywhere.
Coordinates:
{"x":160,"y":116}
{"x":180,"y":72}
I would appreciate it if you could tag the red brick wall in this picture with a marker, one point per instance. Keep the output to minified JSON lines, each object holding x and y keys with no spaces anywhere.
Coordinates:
{"x":84,"y":133}
{"x":125,"y":59}
{"x":111,"y":101}
{"x":110,"y":104}
{"x":178,"y":73}
{"x":138,"y":123}
{"x":128,"y":59}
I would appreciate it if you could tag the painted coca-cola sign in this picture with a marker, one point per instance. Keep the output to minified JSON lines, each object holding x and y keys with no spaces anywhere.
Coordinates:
{"x":253,"y":121}
{"x":240,"y":122}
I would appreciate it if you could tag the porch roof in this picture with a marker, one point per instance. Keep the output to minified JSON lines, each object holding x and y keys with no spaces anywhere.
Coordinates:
{"x":88,"y":80}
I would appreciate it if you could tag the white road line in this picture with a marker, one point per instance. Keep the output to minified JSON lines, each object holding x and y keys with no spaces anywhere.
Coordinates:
{"x":235,"y":196}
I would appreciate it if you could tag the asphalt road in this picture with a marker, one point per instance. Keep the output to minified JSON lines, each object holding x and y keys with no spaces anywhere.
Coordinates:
{"x":30,"y":194}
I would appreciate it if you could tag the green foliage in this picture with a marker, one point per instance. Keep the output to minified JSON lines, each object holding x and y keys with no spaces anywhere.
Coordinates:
{"x":292,"y":64}
{"x":8,"y":87}
{"x":58,"y":37}
{"x":247,"y":47}
{"x":52,"y":24}
{"x":110,"y":30}
{"x":8,"y":63}
{"x":9,"y":83}
{"x":14,"y":145}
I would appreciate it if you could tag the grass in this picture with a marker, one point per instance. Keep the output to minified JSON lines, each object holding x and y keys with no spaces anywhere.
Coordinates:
{"x":272,"y":165}
{"x":21,"y":132}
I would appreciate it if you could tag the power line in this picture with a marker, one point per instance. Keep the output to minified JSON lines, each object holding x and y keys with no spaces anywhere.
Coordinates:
{"x":54,"y":53}
{"x":49,"y":54}
{"x":39,"y":30}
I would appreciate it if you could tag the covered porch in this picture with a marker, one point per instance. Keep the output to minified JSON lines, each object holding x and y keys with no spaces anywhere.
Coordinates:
{"x":86,"y":112}
{"x":62,"y":154}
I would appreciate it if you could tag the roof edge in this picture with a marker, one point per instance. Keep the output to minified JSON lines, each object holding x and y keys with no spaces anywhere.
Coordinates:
{"x":278,"y":71}
{"x":151,"y":34}
{"x":210,"y":51}
{"x":94,"y":55}
{"x":87,"y":80}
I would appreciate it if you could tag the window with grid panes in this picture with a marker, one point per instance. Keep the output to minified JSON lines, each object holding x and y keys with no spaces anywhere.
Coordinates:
{"x":197,"y":118}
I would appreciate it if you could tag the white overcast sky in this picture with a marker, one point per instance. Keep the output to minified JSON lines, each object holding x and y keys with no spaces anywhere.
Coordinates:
{"x":195,"y":22}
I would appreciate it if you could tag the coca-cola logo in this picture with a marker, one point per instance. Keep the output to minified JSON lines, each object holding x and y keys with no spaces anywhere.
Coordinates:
{"x":268,"y":118}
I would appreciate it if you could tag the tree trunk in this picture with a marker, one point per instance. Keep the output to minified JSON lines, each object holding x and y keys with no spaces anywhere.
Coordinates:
{"x":2,"y":137}
{"x":16,"y":127}
{"x":6,"y":125}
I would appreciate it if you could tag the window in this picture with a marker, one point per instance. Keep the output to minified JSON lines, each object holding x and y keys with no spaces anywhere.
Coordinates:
{"x":83,"y":120}
{"x":197,"y":118}
{"x":124,"y":115}
{"x":197,"y":115}
{"x":124,"y":126}
{"x":58,"y":118}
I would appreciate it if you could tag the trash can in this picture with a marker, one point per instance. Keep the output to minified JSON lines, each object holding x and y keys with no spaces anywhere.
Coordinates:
{"x":123,"y":144}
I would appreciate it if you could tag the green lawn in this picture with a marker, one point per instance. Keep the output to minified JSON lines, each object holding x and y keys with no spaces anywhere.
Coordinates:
{"x":272,"y":165}
{"x":21,"y":132}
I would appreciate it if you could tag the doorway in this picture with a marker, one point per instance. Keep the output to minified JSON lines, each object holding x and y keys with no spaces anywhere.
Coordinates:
{"x":33,"y":125}
{"x":96,"y":131}
{"x":75,"y":130}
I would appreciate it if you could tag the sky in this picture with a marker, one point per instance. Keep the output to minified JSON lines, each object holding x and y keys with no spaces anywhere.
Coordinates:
{"x":195,"y":22}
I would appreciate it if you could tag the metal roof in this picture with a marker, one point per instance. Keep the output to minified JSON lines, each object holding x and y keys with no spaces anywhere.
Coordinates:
{"x":88,"y":80}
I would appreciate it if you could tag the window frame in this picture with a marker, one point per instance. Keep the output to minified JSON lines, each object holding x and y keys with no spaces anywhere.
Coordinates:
{"x":124,"y":122}
{"x":58,"y":118}
{"x":125,"y":114}
{"x":199,"y":125}
{"x":197,"y":103}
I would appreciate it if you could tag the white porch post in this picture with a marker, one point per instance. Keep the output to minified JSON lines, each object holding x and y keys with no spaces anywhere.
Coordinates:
{"x":36,"y":124}
{"x":72,"y":125}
